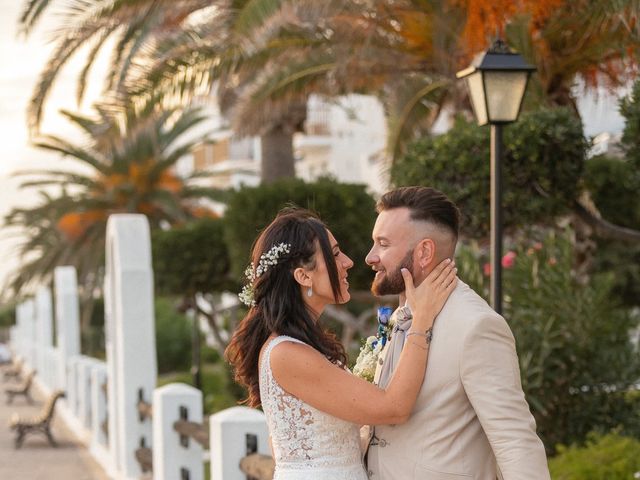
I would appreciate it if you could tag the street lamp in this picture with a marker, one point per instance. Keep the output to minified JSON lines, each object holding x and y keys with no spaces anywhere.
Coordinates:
{"x":496,"y":80}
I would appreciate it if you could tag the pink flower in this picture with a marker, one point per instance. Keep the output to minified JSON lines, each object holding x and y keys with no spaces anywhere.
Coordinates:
{"x":486,"y":268}
{"x":509,"y":259}
{"x":552,"y":261}
{"x":537,"y":246}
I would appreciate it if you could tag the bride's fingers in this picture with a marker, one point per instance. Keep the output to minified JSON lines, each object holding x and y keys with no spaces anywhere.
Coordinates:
{"x":450,"y":277}
{"x":436,"y":284}
{"x":440,"y":268}
{"x":451,"y":285}
{"x":408,"y":281}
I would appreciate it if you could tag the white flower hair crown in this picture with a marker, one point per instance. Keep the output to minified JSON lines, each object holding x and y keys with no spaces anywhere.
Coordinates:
{"x":252,"y":273}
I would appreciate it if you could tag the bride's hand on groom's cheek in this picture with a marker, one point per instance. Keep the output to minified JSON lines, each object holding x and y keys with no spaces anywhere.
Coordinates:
{"x":431,"y":295}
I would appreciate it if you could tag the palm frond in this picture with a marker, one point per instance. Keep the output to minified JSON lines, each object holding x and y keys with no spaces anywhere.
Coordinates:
{"x":31,"y":13}
{"x":91,"y":57}
{"x":409,"y":107}
{"x":57,"y":144}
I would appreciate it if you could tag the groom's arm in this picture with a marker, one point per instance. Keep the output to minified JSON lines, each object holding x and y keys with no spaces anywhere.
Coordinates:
{"x":491,"y":378}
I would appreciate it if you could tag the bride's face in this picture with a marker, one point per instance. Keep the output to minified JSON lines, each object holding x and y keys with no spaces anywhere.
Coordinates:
{"x":321,"y":283}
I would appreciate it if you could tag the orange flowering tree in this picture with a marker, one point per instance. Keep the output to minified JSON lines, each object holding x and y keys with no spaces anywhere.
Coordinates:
{"x":407,"y":52}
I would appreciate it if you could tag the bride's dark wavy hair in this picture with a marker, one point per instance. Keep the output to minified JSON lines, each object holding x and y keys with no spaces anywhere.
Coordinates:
{"x":279,"y":305}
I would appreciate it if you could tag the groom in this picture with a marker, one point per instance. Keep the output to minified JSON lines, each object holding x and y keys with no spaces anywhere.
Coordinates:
{"x":471,"y":420}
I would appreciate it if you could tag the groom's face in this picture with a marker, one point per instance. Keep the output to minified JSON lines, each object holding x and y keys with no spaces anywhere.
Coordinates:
{"x":392,"y":250}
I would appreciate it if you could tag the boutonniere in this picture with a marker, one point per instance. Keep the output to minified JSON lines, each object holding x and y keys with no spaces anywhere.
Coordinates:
{"x":367,"y":361}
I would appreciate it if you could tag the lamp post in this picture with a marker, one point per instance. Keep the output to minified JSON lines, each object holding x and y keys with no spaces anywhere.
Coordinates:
{"x":496,"y":81}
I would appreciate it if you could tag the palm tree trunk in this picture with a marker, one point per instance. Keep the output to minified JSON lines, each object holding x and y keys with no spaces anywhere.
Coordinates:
{"x":277,"y":154}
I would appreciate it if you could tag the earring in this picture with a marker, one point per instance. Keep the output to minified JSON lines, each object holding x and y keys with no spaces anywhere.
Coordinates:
{"x":309,"y":292}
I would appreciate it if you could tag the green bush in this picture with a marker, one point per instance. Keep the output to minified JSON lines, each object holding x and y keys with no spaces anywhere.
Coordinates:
{"x":630,"y":110}
{"x":348,"y":210}
{"x":610,"y":457}
{"x":217,"y":388}
{"x":7,"y":315}
{"x":173,"y":337}
{"x":614,"y":185}
{"x":191,"y":258}
{"x":623,"y":262}
{"x":542,"y":166}
{"x":577,"y":360}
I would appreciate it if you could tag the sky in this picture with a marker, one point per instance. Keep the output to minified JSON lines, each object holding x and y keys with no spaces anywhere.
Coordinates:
{"x":21,"y":60}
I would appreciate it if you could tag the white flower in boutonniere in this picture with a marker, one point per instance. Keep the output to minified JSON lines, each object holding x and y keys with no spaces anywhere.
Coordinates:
{"x":367,"y":361}
{"x":365,"y":366}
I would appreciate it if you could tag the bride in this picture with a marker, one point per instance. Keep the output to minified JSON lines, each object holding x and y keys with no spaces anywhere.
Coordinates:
{"x":297,"y":371}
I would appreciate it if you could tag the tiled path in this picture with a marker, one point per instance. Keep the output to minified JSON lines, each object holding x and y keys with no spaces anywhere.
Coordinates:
{"x":37,"y":460}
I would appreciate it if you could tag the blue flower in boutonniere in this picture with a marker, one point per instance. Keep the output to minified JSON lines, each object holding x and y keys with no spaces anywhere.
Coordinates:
{"x":384,"y":324}
{"x":367,"y":361}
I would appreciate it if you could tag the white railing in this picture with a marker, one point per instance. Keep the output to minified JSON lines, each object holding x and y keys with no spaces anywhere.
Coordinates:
{"x":109,"y":404}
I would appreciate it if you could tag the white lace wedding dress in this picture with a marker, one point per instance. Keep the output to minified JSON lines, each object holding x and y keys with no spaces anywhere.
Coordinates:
{"x":307,"y":444}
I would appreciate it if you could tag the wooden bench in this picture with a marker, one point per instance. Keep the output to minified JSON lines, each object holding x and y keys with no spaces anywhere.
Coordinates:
{"x":15,"y":369}
{"x":23,"y":389}
{"x":39,"y":424}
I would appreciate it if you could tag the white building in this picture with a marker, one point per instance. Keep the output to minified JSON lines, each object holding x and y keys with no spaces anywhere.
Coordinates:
{"x":344,"y":138}
{"x":607,"y":143}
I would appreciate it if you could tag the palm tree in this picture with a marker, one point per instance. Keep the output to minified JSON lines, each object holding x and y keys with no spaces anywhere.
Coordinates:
{"x":265,"y":57}
{"x":130,"y":25}
{"x":407,"y":52}
{"x":130,"y":157}
{"x":143,"y":26}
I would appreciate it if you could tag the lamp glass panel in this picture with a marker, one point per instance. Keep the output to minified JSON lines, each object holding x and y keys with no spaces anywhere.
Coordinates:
{"x":504,"y":92}
{"x":476,"y":93}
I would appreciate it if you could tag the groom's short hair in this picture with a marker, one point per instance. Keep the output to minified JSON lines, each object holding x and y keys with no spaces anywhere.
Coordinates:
{"x":424,"y":203}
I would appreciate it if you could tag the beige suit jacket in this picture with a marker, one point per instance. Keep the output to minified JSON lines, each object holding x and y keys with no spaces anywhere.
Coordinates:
{"x":471,"y":419}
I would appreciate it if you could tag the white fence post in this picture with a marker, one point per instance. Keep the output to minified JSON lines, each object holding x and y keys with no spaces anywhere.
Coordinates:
{"x":235,"y":433}
{"x":49,"y":369}
{"x":44,"y":332}
{"x":175,"y":457}
{"x":84,"y":369}
{"x":72,"y":384}
{"x":67,"y":320}
{"x":21,"y":328}
{"x":130,"y":337}
{"x":30,"y":334}
{"x":98,"y":404}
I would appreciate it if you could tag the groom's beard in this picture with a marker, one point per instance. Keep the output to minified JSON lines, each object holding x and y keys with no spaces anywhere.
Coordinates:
{"x":392,"y":282}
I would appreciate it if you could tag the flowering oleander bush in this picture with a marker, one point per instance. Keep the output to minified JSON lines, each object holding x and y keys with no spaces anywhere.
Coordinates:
{"x":577,"y":361}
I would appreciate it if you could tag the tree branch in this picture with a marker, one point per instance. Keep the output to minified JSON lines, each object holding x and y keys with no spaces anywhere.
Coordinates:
{"x":211,"y":320}
{"x":603,"y":228}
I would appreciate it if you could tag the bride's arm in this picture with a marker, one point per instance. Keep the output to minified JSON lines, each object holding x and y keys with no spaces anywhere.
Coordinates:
{"x":307,"y":374}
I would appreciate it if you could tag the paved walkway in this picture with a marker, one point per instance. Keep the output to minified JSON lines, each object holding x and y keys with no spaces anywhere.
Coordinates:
{"x":37,"y":460}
